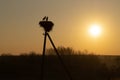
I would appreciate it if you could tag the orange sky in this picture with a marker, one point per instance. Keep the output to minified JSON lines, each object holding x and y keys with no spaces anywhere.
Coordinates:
{"x":20,"y":32}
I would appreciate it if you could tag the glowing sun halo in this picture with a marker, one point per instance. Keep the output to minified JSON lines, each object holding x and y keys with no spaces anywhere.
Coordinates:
{"x":95,"y":30}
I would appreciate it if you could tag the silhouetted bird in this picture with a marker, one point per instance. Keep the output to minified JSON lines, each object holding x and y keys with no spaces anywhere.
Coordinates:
{"x":44,"y":18}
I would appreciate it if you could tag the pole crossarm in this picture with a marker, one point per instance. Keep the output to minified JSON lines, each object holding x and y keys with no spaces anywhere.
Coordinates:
{"x":65,"y":68}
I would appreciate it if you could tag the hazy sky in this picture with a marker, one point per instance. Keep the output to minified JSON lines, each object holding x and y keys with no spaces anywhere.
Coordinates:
{"x":20,"y":32}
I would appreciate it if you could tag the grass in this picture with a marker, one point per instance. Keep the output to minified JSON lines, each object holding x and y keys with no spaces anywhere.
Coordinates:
{"x":81,"y":67}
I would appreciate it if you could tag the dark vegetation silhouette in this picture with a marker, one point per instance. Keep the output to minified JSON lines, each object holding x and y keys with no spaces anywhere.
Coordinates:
{"x":83,"y":66}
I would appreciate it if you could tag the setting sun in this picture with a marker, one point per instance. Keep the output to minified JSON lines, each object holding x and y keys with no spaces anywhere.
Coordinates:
{"x":95,"y":30}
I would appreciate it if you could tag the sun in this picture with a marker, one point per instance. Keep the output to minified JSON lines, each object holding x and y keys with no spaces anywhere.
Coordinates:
{"x":95,"y":30}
